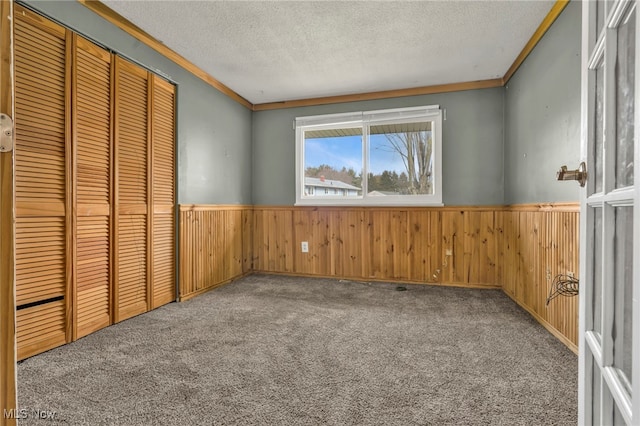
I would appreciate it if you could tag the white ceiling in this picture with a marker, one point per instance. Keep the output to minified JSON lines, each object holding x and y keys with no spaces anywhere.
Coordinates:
{"x":269,"y":51}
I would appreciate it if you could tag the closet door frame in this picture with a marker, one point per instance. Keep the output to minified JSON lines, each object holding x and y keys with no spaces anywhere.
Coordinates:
{"x":7,"y":228}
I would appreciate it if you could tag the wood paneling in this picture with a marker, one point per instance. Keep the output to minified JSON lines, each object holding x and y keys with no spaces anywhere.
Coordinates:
{"x":42,"y":191}
{"x":214,"y":246}
{"x":536,"y":247}
{"x":444,"y":245}
{"x":92,"y":186}
{"x":517,"y":248}
{"x":7,"y":232}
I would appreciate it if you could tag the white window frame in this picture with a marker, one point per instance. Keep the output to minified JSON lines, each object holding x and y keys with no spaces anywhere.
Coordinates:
{"x":364,"y":120}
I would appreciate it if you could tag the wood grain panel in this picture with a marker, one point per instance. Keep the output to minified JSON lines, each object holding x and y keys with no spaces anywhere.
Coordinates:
{"x":131,"y":133}
{"x":40,"y":328}
{"x":40,"y":259}
{"x":274,"y":240}
{"x":131,"y":297}
{"x":92,"y":181}
{"x":7,"y":231}
{"x":42,"y":189}
{"x":425,"y":246}
{"x":215,"y":246}
{"x":92,"y":274}
{"x":40,"y":121}
{"x":164,"y":272}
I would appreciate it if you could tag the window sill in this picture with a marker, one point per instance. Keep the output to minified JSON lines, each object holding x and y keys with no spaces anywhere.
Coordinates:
{"x":367,"y":203}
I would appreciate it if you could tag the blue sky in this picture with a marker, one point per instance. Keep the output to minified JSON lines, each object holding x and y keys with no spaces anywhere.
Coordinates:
{"x":346,"y":152}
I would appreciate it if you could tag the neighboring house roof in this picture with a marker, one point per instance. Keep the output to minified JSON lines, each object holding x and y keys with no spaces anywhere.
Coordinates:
{"x":328,"y":183}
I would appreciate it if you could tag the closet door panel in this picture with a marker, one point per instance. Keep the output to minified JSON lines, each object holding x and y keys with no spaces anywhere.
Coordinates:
{"x":42,"y":190}
{"x":163,"y":141}
{"x":92,"y":129}
{"x":131,"y":163}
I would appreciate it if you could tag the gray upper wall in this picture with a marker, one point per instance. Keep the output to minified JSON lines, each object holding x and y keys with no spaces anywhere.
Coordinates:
{"x":542,"y":116}
{"x":472,"y":144}
{"x":213,"y":131}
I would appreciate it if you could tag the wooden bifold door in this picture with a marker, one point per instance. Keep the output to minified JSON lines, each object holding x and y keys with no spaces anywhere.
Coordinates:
{"x":95,"y":186}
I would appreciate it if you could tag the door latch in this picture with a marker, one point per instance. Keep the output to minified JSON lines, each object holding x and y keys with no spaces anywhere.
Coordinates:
{"x":579,"y":174}
{"x":6,"y":133}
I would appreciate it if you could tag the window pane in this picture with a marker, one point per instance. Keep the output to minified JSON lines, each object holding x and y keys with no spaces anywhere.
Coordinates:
{"x":596,"y":396}
{"x":401,"y":159}
{"x":333,"y":163}
{"x":625,"y":79}
{"x":603,"y":9}
{"x":597,"y":273}
{"x":618,"y":419}
{"x":599,"y":128}
{"x":623,"y":292}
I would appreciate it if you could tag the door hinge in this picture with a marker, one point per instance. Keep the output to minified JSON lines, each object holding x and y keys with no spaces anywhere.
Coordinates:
{"x":6,"y":133}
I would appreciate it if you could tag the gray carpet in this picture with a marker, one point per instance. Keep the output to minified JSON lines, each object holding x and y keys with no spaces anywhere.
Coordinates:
{"x":284,"y":350}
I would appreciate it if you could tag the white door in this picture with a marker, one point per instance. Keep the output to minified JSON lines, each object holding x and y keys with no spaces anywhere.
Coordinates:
{"x":609,"y":382}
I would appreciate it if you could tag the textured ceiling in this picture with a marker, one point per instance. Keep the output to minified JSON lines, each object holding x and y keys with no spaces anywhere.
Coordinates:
{"x":269,"y":51}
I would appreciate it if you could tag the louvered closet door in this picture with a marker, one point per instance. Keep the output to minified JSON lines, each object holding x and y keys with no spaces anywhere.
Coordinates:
{"x":131,"y":153}
{"x":92,"y":125}
{"x":42,"y":196}
{"x":163,"y":247}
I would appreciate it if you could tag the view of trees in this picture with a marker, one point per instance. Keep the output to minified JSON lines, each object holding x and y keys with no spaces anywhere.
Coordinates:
{"x":415,"y":149}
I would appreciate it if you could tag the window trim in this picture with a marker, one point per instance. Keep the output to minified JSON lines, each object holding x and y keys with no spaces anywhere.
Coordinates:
{"x":364,"y":119}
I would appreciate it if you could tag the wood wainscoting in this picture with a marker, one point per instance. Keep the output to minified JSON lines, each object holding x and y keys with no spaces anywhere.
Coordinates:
{"x":456,"y":246}
{"x":215,"y":246}
{"x":517,"y":248}
{"x":537,"y":243}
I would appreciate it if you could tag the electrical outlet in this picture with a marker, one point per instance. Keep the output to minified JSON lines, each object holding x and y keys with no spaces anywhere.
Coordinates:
{"x":304,"y":246}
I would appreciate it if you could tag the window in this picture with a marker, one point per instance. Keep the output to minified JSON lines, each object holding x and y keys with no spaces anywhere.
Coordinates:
{"x":387,"y":157}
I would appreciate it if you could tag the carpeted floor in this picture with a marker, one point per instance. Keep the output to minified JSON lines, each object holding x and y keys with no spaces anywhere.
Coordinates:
{"x":273,"y":350}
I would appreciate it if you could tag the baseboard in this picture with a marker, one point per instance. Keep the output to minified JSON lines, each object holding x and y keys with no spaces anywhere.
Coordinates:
{"x":383,"y":280}
{"x":217,"y":285}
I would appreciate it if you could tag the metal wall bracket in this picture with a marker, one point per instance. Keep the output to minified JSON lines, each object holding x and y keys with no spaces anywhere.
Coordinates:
{"x":6,"y":133}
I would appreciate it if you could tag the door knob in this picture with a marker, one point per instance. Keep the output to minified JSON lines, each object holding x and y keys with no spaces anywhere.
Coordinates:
{"x":579,"y":174}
